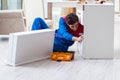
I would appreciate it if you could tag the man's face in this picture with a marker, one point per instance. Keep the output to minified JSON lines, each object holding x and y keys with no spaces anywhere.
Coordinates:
{"x":74,"y":27}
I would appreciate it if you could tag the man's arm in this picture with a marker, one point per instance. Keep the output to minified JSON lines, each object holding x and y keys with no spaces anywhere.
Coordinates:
{"x":80,"y":38}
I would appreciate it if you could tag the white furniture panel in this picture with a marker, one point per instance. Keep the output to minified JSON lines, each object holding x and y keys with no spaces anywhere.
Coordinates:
{"x":30,"y":46}
{"x":98,"y":20}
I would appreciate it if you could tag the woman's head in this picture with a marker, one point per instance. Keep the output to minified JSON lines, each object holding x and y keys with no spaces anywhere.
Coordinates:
{"x":72,"y":21}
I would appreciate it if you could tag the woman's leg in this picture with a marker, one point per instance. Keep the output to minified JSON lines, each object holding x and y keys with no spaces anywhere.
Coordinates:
{"x":38,"y":24}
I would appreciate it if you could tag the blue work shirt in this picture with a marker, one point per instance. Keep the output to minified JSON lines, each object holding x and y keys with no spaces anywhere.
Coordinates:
{"x":63,"y":39}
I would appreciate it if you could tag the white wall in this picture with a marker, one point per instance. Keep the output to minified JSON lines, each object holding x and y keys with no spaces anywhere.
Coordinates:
{"x":33,"y":8}
{"x":45,"y":6}
{"x":117,"y":5}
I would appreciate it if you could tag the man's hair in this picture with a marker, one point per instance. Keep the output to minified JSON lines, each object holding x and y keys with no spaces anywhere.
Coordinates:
{"x":71,"y":18}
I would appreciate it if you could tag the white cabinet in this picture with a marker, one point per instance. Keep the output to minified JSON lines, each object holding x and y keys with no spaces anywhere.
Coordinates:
{"x":98,"y":20}
{"x":26,"y":47}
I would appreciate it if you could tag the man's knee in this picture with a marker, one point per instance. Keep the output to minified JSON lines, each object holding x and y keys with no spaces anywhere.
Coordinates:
{"x":38,"y":19}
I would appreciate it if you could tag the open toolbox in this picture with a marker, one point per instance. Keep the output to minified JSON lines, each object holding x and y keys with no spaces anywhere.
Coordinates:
{"x":62,"y":56}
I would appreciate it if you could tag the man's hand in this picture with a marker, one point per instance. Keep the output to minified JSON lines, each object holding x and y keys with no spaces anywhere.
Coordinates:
{"x":80,"y":38}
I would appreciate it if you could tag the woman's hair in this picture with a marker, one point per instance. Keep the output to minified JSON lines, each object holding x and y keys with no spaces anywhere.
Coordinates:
{"x":71,"y":18}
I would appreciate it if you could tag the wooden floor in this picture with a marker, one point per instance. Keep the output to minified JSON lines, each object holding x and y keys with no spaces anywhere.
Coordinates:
{"x":78,"y":69}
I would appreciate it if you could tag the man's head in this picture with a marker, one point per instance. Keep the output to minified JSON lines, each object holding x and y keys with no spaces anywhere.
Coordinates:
{"x":72,"y":21}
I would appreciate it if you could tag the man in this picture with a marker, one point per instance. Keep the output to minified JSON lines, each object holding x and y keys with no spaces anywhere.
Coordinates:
{"x":69,"y":31}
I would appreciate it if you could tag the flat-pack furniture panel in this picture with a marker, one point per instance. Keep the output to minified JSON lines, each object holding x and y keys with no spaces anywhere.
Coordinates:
{"x":25,"y":47}
{"x":98,"y":20}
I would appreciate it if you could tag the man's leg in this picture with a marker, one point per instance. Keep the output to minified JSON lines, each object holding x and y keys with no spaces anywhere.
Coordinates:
{"x":38,"y":24}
